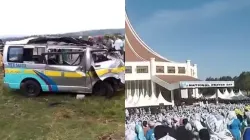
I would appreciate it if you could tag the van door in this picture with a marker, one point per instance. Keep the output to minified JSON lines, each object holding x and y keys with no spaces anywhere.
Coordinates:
{"x":66,"y":75}
{"x":13,"y":66}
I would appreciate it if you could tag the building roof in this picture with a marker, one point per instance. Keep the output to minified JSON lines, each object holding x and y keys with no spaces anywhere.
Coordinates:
{"x":176,"y":78}
{"x":136,"y":49}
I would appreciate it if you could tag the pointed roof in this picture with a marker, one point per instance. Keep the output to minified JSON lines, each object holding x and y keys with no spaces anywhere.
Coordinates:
{"x":136,"y":49}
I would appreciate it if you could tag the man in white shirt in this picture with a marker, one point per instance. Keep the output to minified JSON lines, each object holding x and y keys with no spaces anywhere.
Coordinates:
{"x":118,"y":44}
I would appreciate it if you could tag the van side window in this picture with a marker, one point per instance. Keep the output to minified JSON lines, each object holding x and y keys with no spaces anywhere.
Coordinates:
{"x":15,"y":54}
{"x":99,"y":56}
{"x":28,"y":54}
{"x":64,"y":59}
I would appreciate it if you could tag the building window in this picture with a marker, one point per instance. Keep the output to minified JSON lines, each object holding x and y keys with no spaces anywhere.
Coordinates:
{"x":128,"y":69}
{"x":181,"y":70}
{"x":142,"y":69}
{"x":171,"y":69}
{"x":159,"y":69}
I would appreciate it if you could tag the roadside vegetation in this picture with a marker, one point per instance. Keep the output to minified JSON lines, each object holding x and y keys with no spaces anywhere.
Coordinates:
{"x":54,"y":116}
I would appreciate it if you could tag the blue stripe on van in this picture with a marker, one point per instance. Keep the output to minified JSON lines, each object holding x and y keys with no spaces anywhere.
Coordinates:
{"x":51,"y":84}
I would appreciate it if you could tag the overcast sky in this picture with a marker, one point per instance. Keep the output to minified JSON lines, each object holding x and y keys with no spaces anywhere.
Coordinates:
{"x":29,"y":17}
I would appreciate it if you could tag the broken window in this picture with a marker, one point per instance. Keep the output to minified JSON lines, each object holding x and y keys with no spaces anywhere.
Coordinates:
{"x":21,"y":55}
{"x":100,"y":56}
{"x":64,"y":57}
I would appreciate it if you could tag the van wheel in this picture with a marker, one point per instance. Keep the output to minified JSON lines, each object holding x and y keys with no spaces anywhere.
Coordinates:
{"x":30,"y":88}
{"x":103,"y":89}
{"x":109,"y":91}
{"x":98,"y":89}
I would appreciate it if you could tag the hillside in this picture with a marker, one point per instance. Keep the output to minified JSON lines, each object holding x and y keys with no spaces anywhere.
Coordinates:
{"x":75,"y":34}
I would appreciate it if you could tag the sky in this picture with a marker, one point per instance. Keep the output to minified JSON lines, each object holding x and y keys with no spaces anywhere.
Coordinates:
{"x":214,"y":34}
{"x":29,"y":17}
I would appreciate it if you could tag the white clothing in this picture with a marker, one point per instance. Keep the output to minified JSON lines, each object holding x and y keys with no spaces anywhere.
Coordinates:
{"x":118,"y":44}
{"x":197,"y":125}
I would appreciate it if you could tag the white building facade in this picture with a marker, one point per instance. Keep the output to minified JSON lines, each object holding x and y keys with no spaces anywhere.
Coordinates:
{"x":149,"y":74}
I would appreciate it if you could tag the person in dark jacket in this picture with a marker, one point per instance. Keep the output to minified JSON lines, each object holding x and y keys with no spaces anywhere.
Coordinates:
{"x":163,"y":130}
{"x":204,"y":134}
{"x":246,"y":134}
{"x":184,"y":134}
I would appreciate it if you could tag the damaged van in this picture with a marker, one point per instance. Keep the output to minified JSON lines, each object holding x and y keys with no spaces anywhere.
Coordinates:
{"x":62,"y":67}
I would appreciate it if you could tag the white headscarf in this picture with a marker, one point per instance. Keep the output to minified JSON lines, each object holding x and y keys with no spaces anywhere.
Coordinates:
{"x":231,"y":117}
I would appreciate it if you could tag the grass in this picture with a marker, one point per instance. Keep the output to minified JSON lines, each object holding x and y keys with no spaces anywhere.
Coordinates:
{"x":94,"y":118}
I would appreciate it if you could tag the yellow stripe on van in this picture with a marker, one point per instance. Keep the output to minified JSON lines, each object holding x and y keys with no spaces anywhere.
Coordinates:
{"x":118,"y":70}
{"x":73,"y":75}
{"x":29,"y":71}
{"x":90,"y":74}
{"x":12,"y":71}
{"x":101,"y":72}
{"x":113,"y":70}
{"x":53,"y":73}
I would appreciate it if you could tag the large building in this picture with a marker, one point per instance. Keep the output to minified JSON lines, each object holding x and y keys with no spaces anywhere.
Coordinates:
{"x":148,"y":73}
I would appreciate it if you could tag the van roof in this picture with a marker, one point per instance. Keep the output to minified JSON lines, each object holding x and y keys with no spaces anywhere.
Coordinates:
{"x":50,"y":40}
{"x":73,"y":47}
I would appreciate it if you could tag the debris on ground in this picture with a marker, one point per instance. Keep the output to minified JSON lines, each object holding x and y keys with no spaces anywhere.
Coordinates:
{"x":80,"y":96}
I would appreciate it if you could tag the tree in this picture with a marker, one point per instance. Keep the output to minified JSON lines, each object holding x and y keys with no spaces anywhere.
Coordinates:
{"x":243,"y":81}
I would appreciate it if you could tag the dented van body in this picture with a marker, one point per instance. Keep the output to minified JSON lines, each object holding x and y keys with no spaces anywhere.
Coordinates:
{"x":61,"y":68}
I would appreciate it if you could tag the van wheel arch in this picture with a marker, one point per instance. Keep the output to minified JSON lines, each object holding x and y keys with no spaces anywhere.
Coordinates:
{"x":30,"y":79}
{"x":33,"y":82}
{"x":113,"y":81}
{"x":107,"y":87}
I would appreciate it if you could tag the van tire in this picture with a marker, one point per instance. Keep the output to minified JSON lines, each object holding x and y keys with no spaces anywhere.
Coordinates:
{"x":103,"y":88}
{"x":98,"y":89}
{"x":109,"y":91}
{"x":30,"y":88}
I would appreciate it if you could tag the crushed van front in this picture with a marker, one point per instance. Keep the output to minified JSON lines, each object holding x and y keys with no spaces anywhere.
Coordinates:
{"x":112,"y":68}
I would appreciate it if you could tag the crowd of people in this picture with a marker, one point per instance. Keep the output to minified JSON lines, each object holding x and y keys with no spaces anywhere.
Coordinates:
{"x":194,"y":122}
{"x":110,"y":42}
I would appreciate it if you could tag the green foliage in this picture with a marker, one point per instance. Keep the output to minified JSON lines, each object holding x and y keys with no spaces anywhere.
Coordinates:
{"x":241,"y":82}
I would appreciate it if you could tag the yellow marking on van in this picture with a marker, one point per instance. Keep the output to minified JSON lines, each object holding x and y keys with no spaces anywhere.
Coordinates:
{"x":29,"y":71}
{"x":73,"y":75}
{"x":118,"y":70}
{"x":12,"y":71}
{"x":90,"y":74}
{"x":53,"y":73}
{"x":101,"y":72}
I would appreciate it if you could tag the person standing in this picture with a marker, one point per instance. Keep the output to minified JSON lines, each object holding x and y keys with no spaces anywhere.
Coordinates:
{"x":145,"y":127}
{"x":109,"y":43}
{"x":234,"y":125}
{"x":150,"y":132}
{"x":118,"y":44}
{"x":139,"y":133}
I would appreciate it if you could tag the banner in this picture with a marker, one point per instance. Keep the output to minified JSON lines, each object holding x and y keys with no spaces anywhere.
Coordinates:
{"x":206,"y":84}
